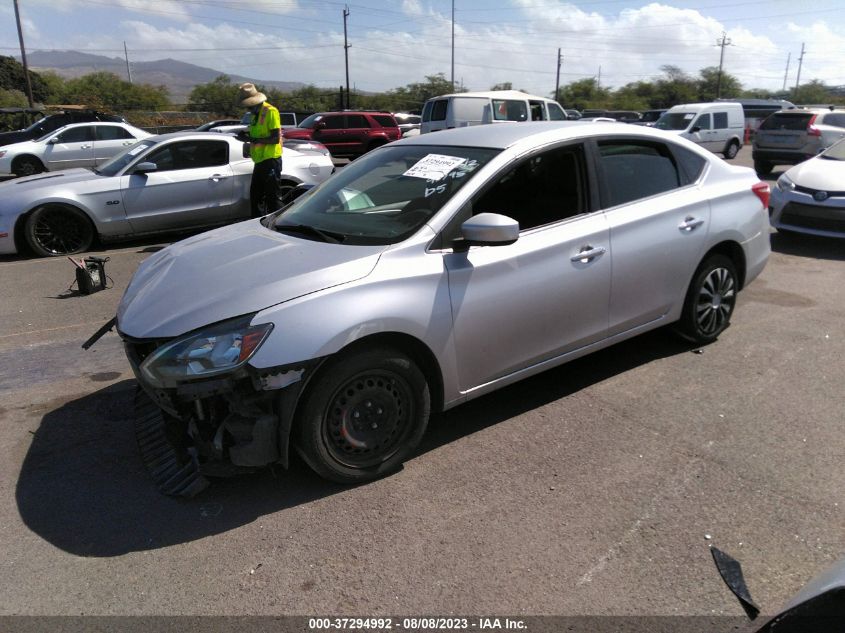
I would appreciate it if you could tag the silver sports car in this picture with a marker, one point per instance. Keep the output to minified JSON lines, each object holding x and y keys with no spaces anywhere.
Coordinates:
{"x":429,"y":272}
{"x":162,"y":183}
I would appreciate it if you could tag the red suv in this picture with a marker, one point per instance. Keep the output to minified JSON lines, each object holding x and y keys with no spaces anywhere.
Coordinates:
{"x":347,"y":133}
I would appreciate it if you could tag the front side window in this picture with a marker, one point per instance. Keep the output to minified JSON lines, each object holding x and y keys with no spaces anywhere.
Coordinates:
{"x":542,"y":189}
{"x":835,"y":119}
{"x":556,"y":113}
{"x":438,"y":110}
{"x":124,"y":158}
{"x":635,"y":170}
{"x":190,"y":155}
{"x":675,"y":121}
{"x":77,"y":135}
{"x":310,"y":121}
{"x":334,"y":122}
{"x":384,"y":197}
{"x":703,"y":122}
{"x":510,"y":110}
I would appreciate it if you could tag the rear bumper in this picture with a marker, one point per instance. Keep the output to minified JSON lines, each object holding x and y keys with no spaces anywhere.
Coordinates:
{"x":780,"y":156}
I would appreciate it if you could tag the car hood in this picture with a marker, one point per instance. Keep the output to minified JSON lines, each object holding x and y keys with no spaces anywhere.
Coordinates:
{"x":49,"y":178}
{"x":819,"y":173}
{"x":229,"y":272}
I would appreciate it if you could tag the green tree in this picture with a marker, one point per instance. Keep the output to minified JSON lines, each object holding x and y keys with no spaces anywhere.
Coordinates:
{"x":219,"y":95}
{"x":12,"y":78}
{"x":673,"y":88}
{"x":502,"y":86}
{"x":584,"y":93}
{"x":414,"y":95}
{"x":12,"y":99}
{"x":634,"y":96}
{"x":109,"y":92}
{"x":814,"y":91}
{"x":708,"y":85}
{"x":54,"y":86}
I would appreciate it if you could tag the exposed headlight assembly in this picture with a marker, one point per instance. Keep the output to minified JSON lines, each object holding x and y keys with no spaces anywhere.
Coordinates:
{"x":219,"y":349}
{"x":784,"y":184}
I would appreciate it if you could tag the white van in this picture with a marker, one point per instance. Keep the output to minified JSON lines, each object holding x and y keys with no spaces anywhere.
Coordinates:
{"x":717,"y":126}
{"x":495,"y":106}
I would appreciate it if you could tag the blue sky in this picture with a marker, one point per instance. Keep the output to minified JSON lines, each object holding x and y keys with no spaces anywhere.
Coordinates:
{"x":396,"y":42}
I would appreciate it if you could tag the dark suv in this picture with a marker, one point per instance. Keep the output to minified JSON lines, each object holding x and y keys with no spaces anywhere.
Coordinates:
{"x":347,"y":133}
{"x":54,"y":122}
{"x":791,"y":136}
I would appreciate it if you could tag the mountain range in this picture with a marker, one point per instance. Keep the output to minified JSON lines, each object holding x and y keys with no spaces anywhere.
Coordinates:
{"x":178,"y":77}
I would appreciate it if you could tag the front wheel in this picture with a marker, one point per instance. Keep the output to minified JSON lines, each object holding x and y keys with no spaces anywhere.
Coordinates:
{"x":27,"y":166}
{"x":363,"y":415}
{"x":710,"y":300}
{"x":731,"y":150}
{"x":54,"y":230}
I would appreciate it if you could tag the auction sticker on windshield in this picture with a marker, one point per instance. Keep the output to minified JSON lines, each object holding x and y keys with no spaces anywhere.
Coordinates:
{"x":434,"y":166}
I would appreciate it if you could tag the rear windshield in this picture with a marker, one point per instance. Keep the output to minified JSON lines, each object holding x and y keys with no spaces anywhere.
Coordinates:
{"x":796,"y":121}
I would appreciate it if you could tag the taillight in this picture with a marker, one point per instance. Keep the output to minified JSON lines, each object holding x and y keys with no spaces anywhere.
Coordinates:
{"x":762,"y":191}
{"x":812,"y":130}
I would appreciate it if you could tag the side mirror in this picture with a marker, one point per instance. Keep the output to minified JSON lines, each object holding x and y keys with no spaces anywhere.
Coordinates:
{"x":143,"y":168}
{"x":53,"y":140}
{"x":319,"y":125}
{"x":296,"y":192}
{"x":695,"y":129}
{"x":487,"y":229}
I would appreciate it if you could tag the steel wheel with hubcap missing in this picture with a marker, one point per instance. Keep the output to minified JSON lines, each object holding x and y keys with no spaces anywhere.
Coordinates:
{"x":710,"y":300}
{"x":57,"y":230}
{"x":363,"y":415}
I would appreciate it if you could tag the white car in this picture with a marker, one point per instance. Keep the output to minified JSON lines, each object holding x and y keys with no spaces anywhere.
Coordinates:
{"x":162,"y":183}
{"x":74,"y":145}
{"x":810,"y":197}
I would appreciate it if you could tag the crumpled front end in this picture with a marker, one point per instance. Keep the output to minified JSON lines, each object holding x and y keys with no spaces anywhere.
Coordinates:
{"x":228,"y":423}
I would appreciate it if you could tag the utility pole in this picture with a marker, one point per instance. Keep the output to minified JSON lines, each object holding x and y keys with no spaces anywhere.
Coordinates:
{"x":346,"y":52}
{"x":721,"y":43}
{"x":453,"y":45}
{"x":23,"y":57}
{"x":786,"y":72}
{"x":598,"y":81}
{"x":557,"y":77}
{"x":800,"y":63}
{"x":126,"y":55}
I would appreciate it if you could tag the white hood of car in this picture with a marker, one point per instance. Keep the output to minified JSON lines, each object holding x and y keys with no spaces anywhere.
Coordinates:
{"x":819,"y":173}
{"x":50,"y":178}
{"x":229,"y":272}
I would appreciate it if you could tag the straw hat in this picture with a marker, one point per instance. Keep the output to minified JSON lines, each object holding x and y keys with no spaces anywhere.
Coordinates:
{"x":250,"y":96}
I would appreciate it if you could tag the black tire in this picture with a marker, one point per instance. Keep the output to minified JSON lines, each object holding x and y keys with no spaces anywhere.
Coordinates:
{"x":710,"y":300}
{"x":731,"y":150}
{"x":284,"y":190}
{"x":363,"y":415}
{"x":27,"y":166}
{"x":54,"y":230}
{"x":763,"y":167}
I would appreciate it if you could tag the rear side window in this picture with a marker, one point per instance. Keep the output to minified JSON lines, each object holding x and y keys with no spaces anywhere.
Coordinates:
{"x":384,"y":120}
{"x":356,"y":120}
{"x":837,"y":119}
{"x":634,"y":170}
{"x":509,"y":110}
{"x":111,"y":133}
{"x":720,"y":120}
{"x":691,"y":164}
{"x":796,"y":122}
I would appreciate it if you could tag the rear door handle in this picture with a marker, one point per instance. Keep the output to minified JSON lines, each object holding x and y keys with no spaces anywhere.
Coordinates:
{"x":86,"y":147}
{"x":587,"y":254}
{"x":690,"y":223}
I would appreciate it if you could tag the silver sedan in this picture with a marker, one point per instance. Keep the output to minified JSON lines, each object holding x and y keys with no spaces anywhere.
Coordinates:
{"x":163,"y":183}
{"x":427,"y":273}
{"x":810,"y":197}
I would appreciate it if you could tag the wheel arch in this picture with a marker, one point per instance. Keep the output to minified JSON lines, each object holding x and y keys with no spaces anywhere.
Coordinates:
{"x":17,"y":159}
{"x":733,"y":251}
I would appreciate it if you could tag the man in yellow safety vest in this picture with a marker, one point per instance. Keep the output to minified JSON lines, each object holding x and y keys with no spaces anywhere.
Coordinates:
{"x":265,"y":138}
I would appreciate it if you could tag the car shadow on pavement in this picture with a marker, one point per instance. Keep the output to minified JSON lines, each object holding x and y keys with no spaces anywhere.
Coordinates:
{"x":84,"y":489}
{"x":809,"y":246}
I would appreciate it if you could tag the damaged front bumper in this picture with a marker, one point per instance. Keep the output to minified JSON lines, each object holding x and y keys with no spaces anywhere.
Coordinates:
{"x":219,"y":426}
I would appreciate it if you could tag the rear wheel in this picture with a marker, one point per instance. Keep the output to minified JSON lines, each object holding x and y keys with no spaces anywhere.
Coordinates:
{"x":27,"y":166}
{"x":363,"y":415}
{"x":54,"y":230}
{"x":710,"y":300}
{"x":763,"y":167}
{"x":731,"y":150}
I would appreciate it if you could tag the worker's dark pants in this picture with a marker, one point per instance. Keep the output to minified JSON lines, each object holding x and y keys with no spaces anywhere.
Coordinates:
{"x":264,"y":188}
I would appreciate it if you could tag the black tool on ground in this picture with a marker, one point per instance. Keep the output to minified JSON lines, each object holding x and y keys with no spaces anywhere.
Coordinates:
{"x":100,"y":333}
{"x":731,"y":572}
{"x":91,"y":274}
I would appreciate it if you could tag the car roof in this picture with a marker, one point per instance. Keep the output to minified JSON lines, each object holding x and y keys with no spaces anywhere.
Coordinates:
{"x":495,"y":94}
{"x":504,"y":135}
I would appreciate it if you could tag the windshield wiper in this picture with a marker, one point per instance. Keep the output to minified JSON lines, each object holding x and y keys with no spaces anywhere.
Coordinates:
{"x":305,"y":229}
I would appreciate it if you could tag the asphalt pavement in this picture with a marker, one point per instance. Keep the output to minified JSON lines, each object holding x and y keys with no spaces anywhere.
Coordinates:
{"x":594,"y":488}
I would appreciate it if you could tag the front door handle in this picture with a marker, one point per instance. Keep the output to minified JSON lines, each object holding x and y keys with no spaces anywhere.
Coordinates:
{"x":690,"y":223}
{"x":216,"y":177}
{"x":587,"y":254}
{"x":85,"y":147}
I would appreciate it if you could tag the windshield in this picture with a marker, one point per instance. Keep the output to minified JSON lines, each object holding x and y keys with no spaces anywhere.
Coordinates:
{"x":40,"y":126}
{"x":309,"y":122}
{"x":674,"y":121}
{"x":835,"y":152}
{"x":385,"y":196}
{"x":112,"y":167}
